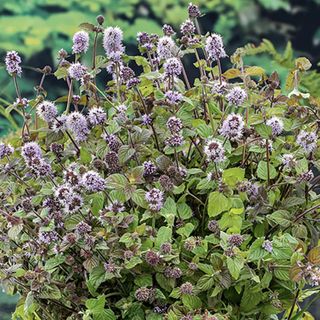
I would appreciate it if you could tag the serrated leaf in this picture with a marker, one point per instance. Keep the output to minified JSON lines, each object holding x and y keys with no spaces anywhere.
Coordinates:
{"x":262,"y":171}
{"x":314,"y":255}
{"x":232,"y":73}
{"x":217,"y":204}
{"x":191,"y":302}
{"x":54,"y":262}
{"x":232,"y":176}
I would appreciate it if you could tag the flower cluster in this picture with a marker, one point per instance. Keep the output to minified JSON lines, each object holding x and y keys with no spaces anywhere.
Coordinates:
{"x":12,"y":62}
{"x":214,"y":151}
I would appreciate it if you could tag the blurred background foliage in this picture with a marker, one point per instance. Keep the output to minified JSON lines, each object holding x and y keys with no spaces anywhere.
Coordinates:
{"x":37,"y":29}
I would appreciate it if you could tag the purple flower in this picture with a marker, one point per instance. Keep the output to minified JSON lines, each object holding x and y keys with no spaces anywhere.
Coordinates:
{"x":12,"y":62}
{"x":155,"y":199}
{"x":214,"y":47}
{"x":73,"y":203}
{"x":60,"y":123}
{"x":152,"y":258}
{"x":213,"y":226}
{"x":214,"y":151}
{"x":112,"y":41}
{"x":96,"y":116}
{"x":166,"y":248}
{"x":306,"y":176}
{"x":149,"y":168}
{"x":112,"y":161}
{"x":116,"y":207}
{"x":219,"y":88}
{"x":47,"y":111}
{"x":236,"y":96}
{"x":146,"y":119}
{"x":186,"y":288}
{"x":80,"y":42}
{"x":77,"y":71}
{"x":276,"y":125}
{"x":77,"y":123}
{"x":5,"y":150}
{"x":21,"y":102}
{"x":267,"y":245}
{"x":175,"y":140}
{"x":41,"y":167}
{"x":235,"y":240}
{"x":167,"y":30}
{"x":63,"y":192}
{"x":126,"y":73}
{"x":172,"y":67}
{"x":143,"y":294}
{"x":174,"y":273}
{"x":187,"y":27}
{"x":82,"y":228}
{"x":143,"y":38}
{"x":71,"y":175}
{"x":174,"y":124}
{"x":47,"y":237}
{"x":93,"y":182}
{"x":110,"y":266}
{"x":232,"y":127}
{"x":31,"y":150}
{"x":307,"y":140}
{"x":133,"y":82}
{"x":193,"y":11}
{"x":113,"y":142}
{"x":166,"y":183}
{"x":173,"y":97}
{"x":289,"y":161}
{"x":166,"y":48}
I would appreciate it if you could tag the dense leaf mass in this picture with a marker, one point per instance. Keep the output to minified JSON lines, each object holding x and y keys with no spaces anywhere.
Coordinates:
{"x":157,"y":198}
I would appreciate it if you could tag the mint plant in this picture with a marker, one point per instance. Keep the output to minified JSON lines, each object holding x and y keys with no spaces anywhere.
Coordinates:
{"x":160,"y":196}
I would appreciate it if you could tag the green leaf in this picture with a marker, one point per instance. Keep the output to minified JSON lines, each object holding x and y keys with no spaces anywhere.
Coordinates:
{"x":232,"y":176}
{"x":164,"y":235}
{"x":50,"y":292}
{"x":138,"y":197}
{"x":97,"y":203}
{"x":85,"y":156}
{"x":96,"y":277}
{"x":231,"y":222}
{"x":125,"y":153}
{"x":96,"y":305}
{"x":256,"y":252}
{"x":262,"y":170}
{"x":144,"y":280}
{"x":235,"y":265}
{"x":205,"y":283}
{"x":52,"y":263}
{"x":191,"y":302}
{"x":186,"y":230}
{"x":217,"y":203}
{"x":250,"y":299}
{"x":116,"y":181}
{"x":264,"y":130}
{"x":184,"y":211}
{"x":281,"y":217}
{"x":303,"y":64}
{"x":314,"y":255}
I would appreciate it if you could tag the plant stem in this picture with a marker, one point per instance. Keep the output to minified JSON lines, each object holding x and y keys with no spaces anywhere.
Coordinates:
{"x":268,"y":161}
{"x":293,"y":304}
{"x":146,"y":111}
{"x":185,"y":75}
{"x":69,"y":81}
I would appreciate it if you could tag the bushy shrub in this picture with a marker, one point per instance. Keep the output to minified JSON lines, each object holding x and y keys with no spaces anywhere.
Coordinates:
{"x":159,"y":198}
